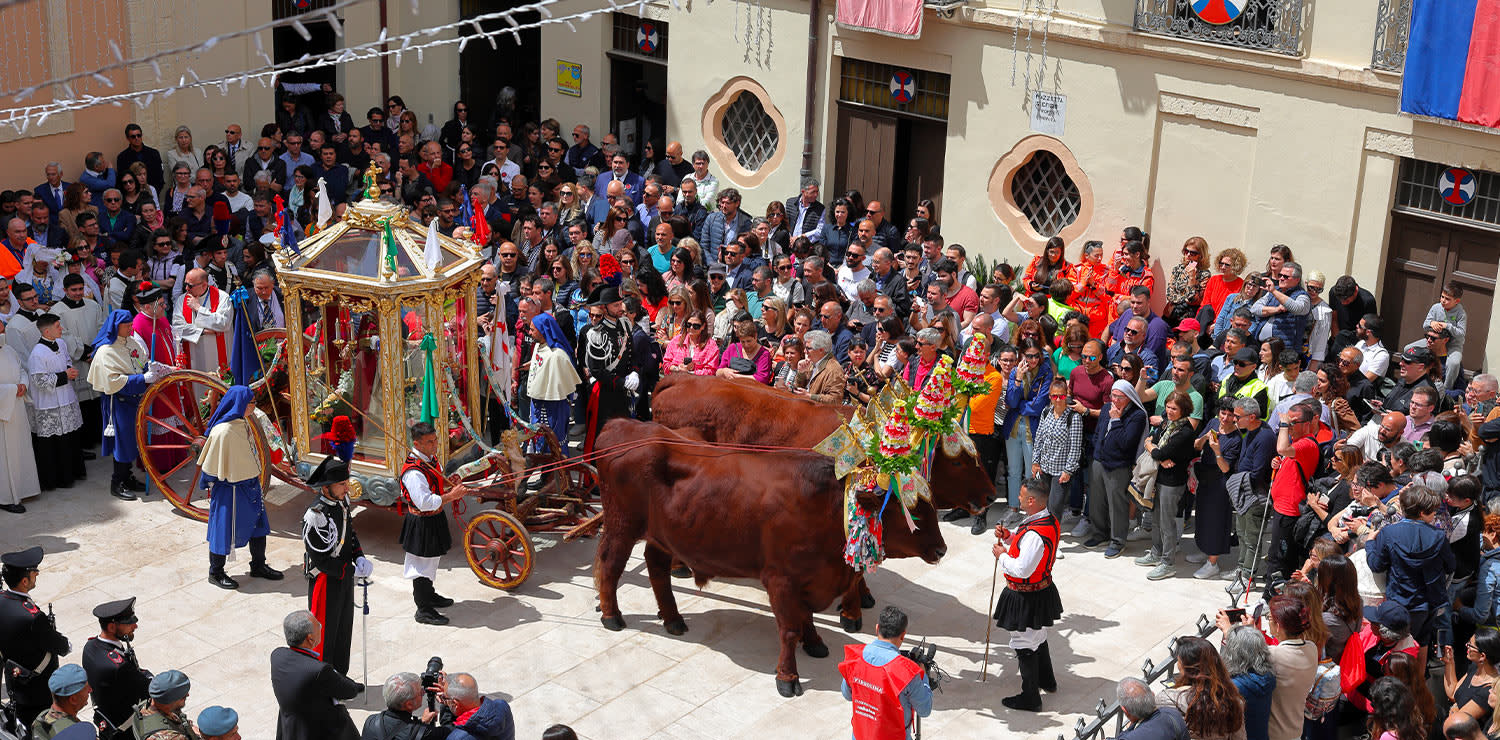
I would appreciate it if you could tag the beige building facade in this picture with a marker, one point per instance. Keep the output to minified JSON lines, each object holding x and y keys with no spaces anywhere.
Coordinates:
{"x":1282,"y":128}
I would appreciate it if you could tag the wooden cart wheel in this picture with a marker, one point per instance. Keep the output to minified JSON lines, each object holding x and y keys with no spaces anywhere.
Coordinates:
{"x":169,"y":433}
{"x":581,"y":488}
{"x":499,"y":549}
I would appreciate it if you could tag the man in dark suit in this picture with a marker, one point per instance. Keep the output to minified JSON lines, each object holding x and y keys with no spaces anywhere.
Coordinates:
{"x":619,"y":171}
{"x":44,"y":229}
{"x":136,"y":151}
{"x":51,"y":191}
{"x":307,"y":689}
{"x":264,"y":304}
{"x":804,"y":213}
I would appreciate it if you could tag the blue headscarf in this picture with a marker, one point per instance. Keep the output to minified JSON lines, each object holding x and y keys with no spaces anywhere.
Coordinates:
{"x":111,"y":329}
{"x":232,"y":406}
{"x":553,"y":333}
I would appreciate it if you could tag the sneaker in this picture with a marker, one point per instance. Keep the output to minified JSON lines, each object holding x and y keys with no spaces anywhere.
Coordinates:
{"x":1207,"y":571}
{"x":1081,"y":528}
{"x":1161,"y":571}
{"x":1114,"y":551}
{"x":1138,"y":534}
{"x":954,"y":515}
{"x":1150,"y":558}
{"x":1012,"y":518}
{"x":1070,"y":518}
{"x":1196,"y":558}
{"x":979,"y":525}
{"x":1095,"y":542}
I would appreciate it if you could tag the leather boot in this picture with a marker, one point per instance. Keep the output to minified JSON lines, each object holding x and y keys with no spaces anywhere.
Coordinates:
{"x":1029,"y":700}
{"x":1044,"y":676}
{"x":421,"y":593}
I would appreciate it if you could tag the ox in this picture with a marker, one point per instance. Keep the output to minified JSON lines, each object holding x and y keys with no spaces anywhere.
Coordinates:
{"x":736,"y":515}
{"x":746,"y":412}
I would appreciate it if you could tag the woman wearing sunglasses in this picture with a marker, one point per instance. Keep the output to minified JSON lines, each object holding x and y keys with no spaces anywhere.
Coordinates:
{"x":1188,"y":281}
{"x":693,"y":350}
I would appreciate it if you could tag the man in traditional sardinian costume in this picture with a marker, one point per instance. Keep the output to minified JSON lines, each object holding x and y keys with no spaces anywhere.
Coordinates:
{"x":231,"y":472}
{"x":424,"y":528}
{"x":81,"y":318}
{"x":120,"y":373}
{"x":1029,"y":603}
{"x":334,"y":560}
{"x":608,"y":361}
{"x":55,"y":418}
{"x":18,"y":477}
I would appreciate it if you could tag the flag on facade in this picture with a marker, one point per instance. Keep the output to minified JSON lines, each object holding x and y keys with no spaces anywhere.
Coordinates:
{"x":1453,"y":61}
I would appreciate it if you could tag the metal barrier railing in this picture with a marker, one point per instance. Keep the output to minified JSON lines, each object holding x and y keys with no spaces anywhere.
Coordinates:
{"x":1151,"y":672}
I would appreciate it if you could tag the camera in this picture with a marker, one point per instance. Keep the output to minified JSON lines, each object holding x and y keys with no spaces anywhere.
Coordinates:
{"x":430,"y":678}
{"x":925,"y":655}
{"x":1359,"y":511}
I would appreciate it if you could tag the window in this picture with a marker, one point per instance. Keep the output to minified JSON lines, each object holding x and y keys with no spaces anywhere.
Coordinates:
{"x":749,"y":132}
{"x":1392,"y":21}
{"x":1265,"y":25}
{"x":639,"y":37}
{"x":1420,"y":188}
{"x":1044,"y":192}
{"x":1038,"y":191}
{"x":744,"y":132}
{"x":870,"y":84}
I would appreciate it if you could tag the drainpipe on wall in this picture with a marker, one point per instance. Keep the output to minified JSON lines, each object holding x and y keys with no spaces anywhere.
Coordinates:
{"x":385,"y":61}
{"x":814,"y":16}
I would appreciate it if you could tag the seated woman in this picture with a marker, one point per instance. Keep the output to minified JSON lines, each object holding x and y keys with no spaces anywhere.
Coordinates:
{"x":1470,"y":694}
{"x":692,"y":351}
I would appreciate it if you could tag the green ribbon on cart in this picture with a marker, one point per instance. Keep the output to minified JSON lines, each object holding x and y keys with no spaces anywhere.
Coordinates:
{"x":390,"y":246}
{"x":430,"y":408}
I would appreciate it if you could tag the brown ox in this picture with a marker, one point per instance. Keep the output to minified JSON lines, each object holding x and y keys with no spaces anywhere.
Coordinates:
{"x":735,"y":515}
{"x":746,"y":412}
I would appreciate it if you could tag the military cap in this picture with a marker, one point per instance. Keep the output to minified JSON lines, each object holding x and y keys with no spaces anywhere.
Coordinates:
{"x":28,"y":559}
{"x":332,"y":470}
{"x":117,"y":612}
{"x":169,"y":686}
{"x":217,"y":720}
{"x":67,"y":680}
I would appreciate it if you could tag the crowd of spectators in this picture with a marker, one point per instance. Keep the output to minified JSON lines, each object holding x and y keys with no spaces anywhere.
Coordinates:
{"x":1248,"y":417}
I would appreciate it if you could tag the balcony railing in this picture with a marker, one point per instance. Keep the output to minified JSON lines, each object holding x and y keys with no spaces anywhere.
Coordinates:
{"x":1263,"y":25}
{"x":1392,"y":23}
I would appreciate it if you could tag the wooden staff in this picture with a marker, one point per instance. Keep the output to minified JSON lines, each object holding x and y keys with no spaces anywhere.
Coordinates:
{"x":984,"y":673}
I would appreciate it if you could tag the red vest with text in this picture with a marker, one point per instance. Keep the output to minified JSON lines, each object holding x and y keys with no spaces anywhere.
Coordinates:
{"x":876,"y":692}
{"x":435,"y":484}
{"x":1048,"y":529}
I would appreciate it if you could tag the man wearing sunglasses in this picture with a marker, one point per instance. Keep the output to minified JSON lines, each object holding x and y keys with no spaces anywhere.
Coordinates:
{"x":265,"y":159}
{"x":1286,"y":306}
{"x":1243,"y":382}
{"x":136,"y":151}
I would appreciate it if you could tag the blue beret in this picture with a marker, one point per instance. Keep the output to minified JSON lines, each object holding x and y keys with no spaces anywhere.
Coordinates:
{"x":216,"y":720}
{"x":169,"y":686}
{"x":67,"y":680}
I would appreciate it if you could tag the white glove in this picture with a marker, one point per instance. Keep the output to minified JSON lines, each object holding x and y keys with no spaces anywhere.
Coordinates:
{"x":632,"y":382}
{"x":151,"y":375}
{"x":375,"y":343}
{"x":363,"y":567}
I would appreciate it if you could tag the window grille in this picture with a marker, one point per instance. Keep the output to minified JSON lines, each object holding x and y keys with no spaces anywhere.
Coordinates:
{"x":1392,"y":24}
{"x":1419,"y":187}
{"x":869,"y":84}
{"x":627,"y":37}
{"x":749,"y":131}
{"x":1264,"y":25}
{"x":1044,"y":192}
{"x":287,"y":8}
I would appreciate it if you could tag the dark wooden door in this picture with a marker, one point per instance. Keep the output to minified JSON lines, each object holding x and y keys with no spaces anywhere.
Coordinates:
{"x":1425,"y":255}
{"x":866,"y":154}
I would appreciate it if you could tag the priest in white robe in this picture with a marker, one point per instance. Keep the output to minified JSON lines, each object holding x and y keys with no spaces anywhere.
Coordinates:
{"x":81,"y":317}
{"x":18,"y":478}
{"x":55,"y":418}
{"x":202,"y":319}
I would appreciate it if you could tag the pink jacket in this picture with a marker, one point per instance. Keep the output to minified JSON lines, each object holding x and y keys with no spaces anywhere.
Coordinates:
{"x":705,"y":360}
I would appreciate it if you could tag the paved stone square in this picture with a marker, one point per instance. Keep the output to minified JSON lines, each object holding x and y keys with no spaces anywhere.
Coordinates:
{"x":542,"y":647}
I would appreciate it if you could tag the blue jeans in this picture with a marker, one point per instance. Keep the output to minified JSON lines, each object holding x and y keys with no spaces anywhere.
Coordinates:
{"x":1018,"y":461}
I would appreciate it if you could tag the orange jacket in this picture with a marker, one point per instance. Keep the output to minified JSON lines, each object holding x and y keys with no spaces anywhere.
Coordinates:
{"x":982,"y":408}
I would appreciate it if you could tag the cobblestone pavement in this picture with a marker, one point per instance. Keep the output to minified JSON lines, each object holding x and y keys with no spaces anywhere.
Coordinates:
{"x":543,"y":649}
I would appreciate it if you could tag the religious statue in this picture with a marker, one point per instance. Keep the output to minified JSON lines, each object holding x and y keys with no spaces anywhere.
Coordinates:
{"x":372,"y":181}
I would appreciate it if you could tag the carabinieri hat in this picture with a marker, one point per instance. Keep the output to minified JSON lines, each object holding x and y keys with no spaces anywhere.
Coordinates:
{"x":604,"y":295}
{"x":332,"y":470}
{"x":27,"y":559}
{"x":117,"y":612}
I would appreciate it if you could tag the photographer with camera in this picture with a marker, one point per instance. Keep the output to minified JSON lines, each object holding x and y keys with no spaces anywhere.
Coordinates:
{"x":403,"y":694}
{"x":888,"y":688}
{"x":1030,"y":602}
{"x":476,"y":717}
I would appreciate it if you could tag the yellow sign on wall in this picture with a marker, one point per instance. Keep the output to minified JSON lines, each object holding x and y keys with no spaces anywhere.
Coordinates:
{"x":570,"y":78}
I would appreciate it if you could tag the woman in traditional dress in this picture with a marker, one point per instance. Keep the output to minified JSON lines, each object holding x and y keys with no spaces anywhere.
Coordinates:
{"x":552,"y":379}
{"x":231,"y":472}
{"x":18,"y":477}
